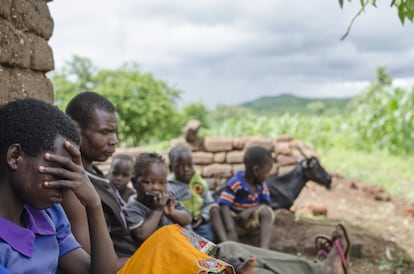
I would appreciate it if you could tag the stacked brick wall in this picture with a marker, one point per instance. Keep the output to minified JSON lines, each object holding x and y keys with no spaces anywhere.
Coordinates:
{"x":219,"y":158}
{"x":25,"y":55}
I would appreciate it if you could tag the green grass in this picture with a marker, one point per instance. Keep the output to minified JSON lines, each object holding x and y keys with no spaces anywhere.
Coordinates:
{"x":394,"y":173}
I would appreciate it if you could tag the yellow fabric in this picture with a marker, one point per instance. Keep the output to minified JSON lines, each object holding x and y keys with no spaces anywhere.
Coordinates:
{"x":172,"y":249}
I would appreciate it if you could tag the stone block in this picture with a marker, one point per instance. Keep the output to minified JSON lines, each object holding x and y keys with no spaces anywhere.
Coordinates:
{"x":202,"y":158}
{"x":217,"y":144}
{"x":217,"y":170}
{"x":282,"y":148}
{"x":5,"y":85}
{"x":234,"y":157}
{"x":283,"y":138}
{"x":33,"y":16}
{"x":240,"y":142}
{"x":130,"y":151}
{"x":236,"y":167}
{"x":285,"y":169}
{"x":26,"y":83}
{"x":285,"y":160}
{"x":219,"y":157}
{"x":41,"y":57}
{"x":266,"y":143}
{"x":5,"y":8}
{"x":274,"y":170}
{"x":14,"y":46}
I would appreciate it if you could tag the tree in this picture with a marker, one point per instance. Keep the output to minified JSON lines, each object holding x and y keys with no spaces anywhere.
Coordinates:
{"x":405,"y":9}
{"x":196,"y":111}
{"x":146,"y":105}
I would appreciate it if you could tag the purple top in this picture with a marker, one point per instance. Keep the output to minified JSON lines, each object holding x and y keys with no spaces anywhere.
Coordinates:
{"x":36,"y":248}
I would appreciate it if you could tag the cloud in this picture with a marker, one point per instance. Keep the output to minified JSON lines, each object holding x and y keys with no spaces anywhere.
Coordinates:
{"x":225,"y":52}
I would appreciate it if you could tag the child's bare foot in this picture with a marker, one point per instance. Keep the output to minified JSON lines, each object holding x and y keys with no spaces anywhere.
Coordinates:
{"x":247,"y":266}
{"x":337,"y":261}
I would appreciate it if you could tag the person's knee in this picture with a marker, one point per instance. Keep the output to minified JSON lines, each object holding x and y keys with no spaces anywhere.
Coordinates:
{"x":266,"y":213}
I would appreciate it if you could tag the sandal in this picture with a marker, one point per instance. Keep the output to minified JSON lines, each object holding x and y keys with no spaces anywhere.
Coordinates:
{"x":323,"y":245}
{"x":343,"y":254}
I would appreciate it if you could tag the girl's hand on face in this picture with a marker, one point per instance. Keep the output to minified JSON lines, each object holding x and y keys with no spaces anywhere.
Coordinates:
{"x":68,"y":174}
{"x":161,"y":200}
{"x":169,"y":209}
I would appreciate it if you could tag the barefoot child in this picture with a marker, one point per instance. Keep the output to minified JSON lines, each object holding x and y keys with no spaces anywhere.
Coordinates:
{"x":39,"y":163}
{"x":120,"y":174}
{"x":244,"y":202}
{"x":192,"y":191}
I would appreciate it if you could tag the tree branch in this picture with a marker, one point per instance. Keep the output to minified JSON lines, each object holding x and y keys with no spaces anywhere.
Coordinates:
{"x":352,"y":22}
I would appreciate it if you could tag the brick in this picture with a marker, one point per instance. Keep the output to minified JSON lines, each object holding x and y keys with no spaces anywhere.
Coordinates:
{"x":236,"y":167}
{"x":5,"y":8}
{"x":285,"y":169}
{"x":274,"y":170}
{"x":26,"y":83}
{"x":217,"y":170}
{"x":283,"y":138}
{"x":217,"y":144}
{"x":219,"y":157}
{"x":239,"y":142}
{"x":285,"y":160}
{"x":34,"y":16}
{"x":266,"y":143}
{"x":41,"y":57}
{"x":234,"y":157}
{"x":211,"y":182}
{"x":14,"y":46}
{"x":130,"y":151}
{"x":282,"y":148}
{"x":5,"y":85}
{"x":202,"y":158}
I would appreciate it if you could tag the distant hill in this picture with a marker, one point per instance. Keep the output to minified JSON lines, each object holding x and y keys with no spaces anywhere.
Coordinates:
{"x":293,"y":104}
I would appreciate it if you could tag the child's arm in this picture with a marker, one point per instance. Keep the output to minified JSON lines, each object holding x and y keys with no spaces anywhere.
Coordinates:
{"x":146,"y":223}
{"x":177,"y":213}
{"x":70,"y":175}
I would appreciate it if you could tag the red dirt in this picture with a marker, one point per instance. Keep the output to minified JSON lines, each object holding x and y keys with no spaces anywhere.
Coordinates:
{"x":380,"y":228}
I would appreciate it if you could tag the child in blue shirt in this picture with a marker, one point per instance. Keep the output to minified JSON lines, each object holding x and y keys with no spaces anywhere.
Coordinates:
{"x":244,"y":202}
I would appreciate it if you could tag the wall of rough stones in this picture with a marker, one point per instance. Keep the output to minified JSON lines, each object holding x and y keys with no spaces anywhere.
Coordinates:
{"x":25,"y":55}
{"x":218,"y":158}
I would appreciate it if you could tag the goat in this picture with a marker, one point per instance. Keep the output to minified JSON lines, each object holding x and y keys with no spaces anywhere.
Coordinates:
{"x":285,"y":189}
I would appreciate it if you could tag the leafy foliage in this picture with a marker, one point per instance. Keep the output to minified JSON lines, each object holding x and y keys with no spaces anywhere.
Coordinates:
{"x":386,"y":117}
{"x":147,"y":106}
{"x":405,"y":8}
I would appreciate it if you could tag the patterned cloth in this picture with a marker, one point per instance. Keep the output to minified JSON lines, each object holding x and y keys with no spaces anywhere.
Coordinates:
{"x":174,"y":249}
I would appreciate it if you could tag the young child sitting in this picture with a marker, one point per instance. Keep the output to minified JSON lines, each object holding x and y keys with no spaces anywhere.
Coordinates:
{"x":120,"y":174}
{"x":40,"y":163}
{"x":152,"y":207}
{"x":244,"y":201}
{"x":192,"y":191}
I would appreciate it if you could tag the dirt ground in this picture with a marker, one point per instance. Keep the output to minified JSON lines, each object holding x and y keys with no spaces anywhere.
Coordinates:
{"x":381,"y":228}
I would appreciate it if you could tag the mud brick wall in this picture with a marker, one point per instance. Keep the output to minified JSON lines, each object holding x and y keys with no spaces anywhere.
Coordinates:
{"x":219,"y":158}
{"x":25,"y":55}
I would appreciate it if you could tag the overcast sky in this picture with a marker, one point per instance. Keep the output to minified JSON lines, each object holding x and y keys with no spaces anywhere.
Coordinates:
{"x":232,"y":51}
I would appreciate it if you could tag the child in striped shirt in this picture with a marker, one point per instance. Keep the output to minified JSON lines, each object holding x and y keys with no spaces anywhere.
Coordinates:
{"x":244,"y":202}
